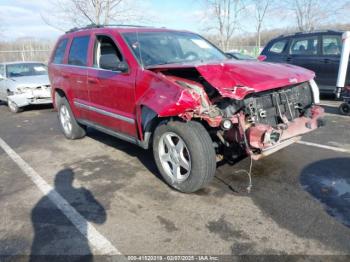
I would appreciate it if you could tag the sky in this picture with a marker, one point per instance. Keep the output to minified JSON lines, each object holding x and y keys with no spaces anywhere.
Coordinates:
{"x":23,"y":18}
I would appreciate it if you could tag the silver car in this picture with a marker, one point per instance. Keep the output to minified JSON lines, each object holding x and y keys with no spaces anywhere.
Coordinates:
{"x":24,"y":83}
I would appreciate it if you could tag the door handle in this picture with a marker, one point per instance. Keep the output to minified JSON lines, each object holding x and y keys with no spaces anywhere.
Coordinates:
{"x":289,"y":59}
{"x":66,"y":76}
{"x":92,"y":80}
{"x":327,"y":61}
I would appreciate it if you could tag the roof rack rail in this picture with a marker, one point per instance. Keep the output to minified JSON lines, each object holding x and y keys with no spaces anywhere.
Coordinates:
{"x":100,"y":26}
{"x":312,"y":32}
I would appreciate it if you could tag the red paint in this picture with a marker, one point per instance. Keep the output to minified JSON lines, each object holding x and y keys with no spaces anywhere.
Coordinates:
{"x":262,"y":58}
{"x":236,"y":79}
{"x":125,"y":94}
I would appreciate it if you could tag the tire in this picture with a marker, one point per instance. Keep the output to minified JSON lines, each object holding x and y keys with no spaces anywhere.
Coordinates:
{"x":197,"y":150}
{"x":344,"y":109}
{"x":69,"y":126}
{"x":13,"y":107}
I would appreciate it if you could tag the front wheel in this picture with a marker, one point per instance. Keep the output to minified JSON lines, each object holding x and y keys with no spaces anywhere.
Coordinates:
{"x":13,"y":107}
{"x":184,"y":155}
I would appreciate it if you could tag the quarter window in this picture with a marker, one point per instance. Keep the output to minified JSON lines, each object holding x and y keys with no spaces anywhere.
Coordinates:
{"x":79,"y":51}
{"x":278,"y":47}
{"x":304,"y":46}
{"x":59,"y":53}
{"x":331,"y":45}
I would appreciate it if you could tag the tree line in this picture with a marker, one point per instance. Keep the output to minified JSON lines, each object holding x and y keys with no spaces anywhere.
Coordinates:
{"x":224,"y":22}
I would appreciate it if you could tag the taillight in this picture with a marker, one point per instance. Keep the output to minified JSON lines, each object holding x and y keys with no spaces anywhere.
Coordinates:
{"x":262,"y":57}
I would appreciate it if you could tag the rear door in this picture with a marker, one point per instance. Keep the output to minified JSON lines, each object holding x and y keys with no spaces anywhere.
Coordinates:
{"x":304,"y":51}
{"x":112,"y":92}
{"x":76,"y":73}
{"x":330,"y":54}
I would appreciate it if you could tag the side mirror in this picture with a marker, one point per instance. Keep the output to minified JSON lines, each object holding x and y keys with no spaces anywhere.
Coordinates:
{"x":111,"y":62}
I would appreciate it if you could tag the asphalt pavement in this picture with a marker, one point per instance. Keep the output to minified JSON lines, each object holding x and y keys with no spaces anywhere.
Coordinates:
{"x":102,"y":196}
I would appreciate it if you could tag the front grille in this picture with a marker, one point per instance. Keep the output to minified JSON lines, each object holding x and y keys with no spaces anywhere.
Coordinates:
{"x":275,"y":107}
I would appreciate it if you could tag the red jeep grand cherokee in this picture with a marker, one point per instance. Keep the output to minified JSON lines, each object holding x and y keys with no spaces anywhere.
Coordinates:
{"x":177,"y":93}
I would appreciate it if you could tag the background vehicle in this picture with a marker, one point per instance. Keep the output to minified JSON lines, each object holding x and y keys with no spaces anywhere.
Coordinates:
{"x":24,"y":83}
{"x":344,"y":108}
{"x":177,"y":93}
{"x":239,"y":56}
{"x":317,"y":51}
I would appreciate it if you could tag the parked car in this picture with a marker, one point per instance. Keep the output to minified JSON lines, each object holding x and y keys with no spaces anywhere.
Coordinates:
{"x":317,"y":51}
{"x":24,"y":83}
{"x":239,"y":56}
{"x":176,"y":93}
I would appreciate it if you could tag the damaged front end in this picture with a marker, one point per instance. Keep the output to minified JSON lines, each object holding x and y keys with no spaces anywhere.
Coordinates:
{"x":23,"y":96}
{"x":243,"y":120}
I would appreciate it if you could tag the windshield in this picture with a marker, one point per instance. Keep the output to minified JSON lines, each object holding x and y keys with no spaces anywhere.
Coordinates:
{"x":158,"y":48}
{"x":26,"y":69}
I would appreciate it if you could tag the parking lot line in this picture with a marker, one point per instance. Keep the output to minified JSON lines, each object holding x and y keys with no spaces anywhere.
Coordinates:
{"x":95,"y":238}
{"x":342,"y":150}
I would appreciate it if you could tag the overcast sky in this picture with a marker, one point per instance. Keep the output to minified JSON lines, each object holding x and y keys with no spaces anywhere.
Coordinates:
{"x":22,"y":18}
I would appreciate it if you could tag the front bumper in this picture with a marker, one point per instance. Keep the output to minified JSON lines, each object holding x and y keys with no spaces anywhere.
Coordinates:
{"x":264,"y":140}
{"x":32,"y":97}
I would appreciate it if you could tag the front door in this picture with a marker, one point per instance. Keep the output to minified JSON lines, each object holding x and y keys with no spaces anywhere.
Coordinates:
{"x":112,"y":92}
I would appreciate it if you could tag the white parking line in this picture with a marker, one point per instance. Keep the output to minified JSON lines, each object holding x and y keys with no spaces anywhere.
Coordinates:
{"x":95,"y":238}
{"x":338,"y":149}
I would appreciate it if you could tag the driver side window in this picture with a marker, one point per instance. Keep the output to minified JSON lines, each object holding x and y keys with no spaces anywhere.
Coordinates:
{"x":106,"y":49}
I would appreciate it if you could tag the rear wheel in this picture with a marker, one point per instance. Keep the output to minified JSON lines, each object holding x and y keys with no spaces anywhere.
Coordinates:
{"x":70,"y":127}
{"x":344,"y":109}
{"x":185,"y":155}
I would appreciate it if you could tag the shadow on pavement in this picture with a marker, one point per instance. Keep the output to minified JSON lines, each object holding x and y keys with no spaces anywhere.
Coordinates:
{"x":334,"y":110}
{"x":145,"y":156}
{"x":55,"y":235}
{"x":329,"y":182}
{"x":279,"y":192}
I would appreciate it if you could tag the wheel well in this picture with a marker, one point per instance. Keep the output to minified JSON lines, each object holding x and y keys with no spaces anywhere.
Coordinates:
{"x":150,"y":121}
{"x":59,"y":93}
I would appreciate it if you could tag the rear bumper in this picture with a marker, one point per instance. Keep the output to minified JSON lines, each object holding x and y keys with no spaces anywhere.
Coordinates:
{"x":265,"y":140}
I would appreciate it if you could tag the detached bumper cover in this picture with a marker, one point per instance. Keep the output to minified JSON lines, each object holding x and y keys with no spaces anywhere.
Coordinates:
{"x":32,"y":97}
{"x":267,"y":140}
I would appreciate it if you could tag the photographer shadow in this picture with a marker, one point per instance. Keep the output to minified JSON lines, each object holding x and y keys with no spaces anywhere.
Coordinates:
{"x":56,"y":238}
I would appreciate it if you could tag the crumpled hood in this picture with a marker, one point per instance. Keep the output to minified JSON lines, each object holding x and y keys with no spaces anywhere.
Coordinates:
{"x":236,"y":79}
{"x":31,"y":81}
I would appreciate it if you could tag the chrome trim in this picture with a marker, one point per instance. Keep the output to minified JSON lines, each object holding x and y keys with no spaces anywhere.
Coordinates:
{"x":91,"y":67}
{"x":104,"y":112}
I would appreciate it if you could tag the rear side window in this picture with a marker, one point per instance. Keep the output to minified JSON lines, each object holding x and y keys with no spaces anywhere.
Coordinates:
{"x":79,"y":51}
{"x":304,"y":46}
{"x":278,"y":47}
{"x":331,"y":45}
{"x":59,"y":52}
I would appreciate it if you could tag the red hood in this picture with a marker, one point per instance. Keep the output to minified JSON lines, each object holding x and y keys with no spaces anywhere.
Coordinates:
{"x":236,"y":79}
